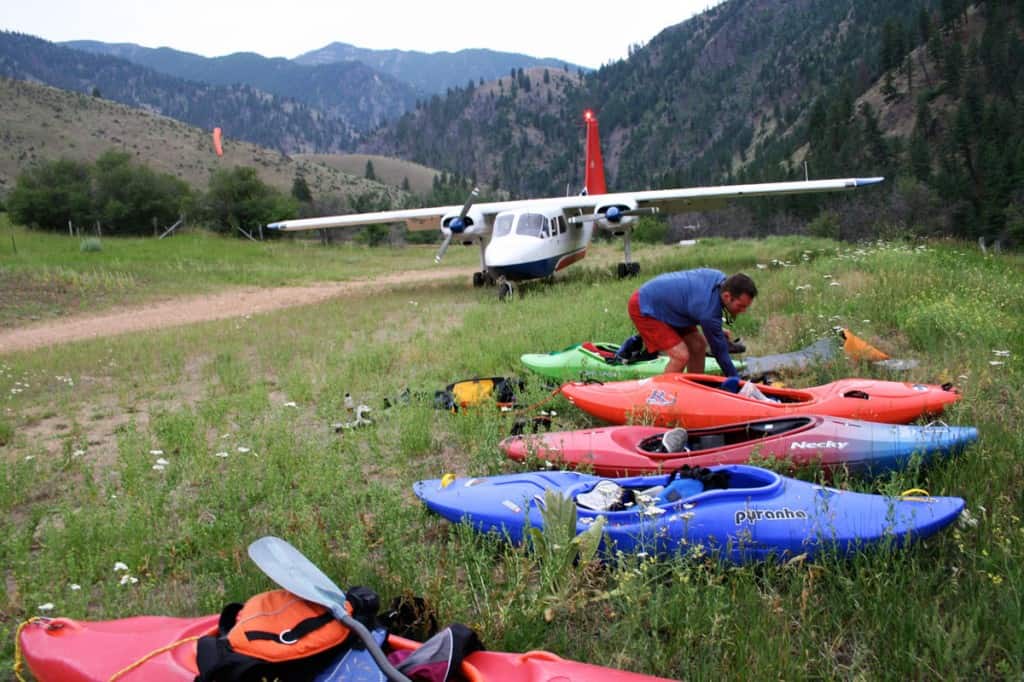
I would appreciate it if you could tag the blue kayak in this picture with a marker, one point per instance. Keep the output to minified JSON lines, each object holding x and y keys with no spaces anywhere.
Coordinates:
{"x":740,"y":512}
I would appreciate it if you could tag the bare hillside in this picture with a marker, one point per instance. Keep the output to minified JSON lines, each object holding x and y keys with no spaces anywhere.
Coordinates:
{"x":387,"y":169}
{"x":40,"y":123}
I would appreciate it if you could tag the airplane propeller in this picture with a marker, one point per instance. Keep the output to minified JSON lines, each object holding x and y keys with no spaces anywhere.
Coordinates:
{"x":457,"y":225}
{"x":614,"y":214}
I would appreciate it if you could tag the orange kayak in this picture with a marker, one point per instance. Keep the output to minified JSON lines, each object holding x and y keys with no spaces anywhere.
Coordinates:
{"x":697,"y":401}
{"x":67,"y":650}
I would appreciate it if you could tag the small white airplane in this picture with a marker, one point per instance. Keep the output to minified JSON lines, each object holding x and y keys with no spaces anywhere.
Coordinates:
{"x":534,"y":238}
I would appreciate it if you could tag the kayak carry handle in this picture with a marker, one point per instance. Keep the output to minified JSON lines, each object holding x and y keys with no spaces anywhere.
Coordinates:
{"x":539,"y":655}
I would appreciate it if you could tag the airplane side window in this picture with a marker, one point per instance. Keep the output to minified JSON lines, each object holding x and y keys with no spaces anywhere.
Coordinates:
{"x":503,"y":224}
{"x":561,"y":224}
{"x":530,"y":225}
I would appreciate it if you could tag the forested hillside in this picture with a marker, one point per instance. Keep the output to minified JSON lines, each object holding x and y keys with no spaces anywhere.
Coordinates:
{"x":687,"y":107}
{"x":346,"y":90}
{"x":435,"y":72}
{"x":925,"y":93}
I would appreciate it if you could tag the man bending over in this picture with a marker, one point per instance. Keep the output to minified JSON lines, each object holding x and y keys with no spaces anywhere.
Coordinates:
{"x":667,"y":310}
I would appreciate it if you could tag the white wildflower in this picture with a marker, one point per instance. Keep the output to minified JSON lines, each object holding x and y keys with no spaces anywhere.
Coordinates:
{"x":48,"y":606}
{"x":120,"y":566}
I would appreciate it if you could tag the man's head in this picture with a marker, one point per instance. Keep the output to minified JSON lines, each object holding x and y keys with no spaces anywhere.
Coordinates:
{"x":738,"y":292}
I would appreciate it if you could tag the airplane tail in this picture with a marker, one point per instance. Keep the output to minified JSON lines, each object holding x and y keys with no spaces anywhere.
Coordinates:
{"x":594,"y":175}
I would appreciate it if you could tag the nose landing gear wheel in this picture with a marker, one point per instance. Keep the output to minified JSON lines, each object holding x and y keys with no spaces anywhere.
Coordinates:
{"x":628,"y":270}
{"x":506,"y":292}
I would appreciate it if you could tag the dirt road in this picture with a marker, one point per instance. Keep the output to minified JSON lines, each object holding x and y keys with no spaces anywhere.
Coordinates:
{"x":234,"y":303}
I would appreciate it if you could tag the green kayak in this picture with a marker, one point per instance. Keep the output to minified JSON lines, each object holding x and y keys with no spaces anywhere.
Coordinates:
{"x":591,"y":361}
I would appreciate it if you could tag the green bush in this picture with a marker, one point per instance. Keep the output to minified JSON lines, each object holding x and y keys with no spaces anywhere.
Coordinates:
{"x":826,"y":225}
{"x":49,"y":194}
{"x":650,"y":230}
{"x":123,"y":196}
{"x":237,"y":197}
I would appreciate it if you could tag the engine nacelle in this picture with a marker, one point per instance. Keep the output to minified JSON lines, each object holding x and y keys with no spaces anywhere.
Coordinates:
{"x":613,"y":215}
{"x":472,"y":224}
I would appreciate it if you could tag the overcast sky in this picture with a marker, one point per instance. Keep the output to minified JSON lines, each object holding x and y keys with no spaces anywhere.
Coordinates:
{"x":589,"y":33}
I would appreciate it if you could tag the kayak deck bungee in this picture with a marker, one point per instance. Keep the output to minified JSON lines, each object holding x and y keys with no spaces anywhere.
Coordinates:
{"x":830,"y":442}
{"x":698,"y":401}
{"x":759,"y":515}
{"x":594,"y":360}
{"x":162,"y":649}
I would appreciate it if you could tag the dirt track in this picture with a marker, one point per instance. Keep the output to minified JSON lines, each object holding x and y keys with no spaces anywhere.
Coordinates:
{"x":233,"y":303}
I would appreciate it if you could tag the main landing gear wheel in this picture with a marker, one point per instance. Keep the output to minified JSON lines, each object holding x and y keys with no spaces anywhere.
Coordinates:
{"x":478,"y":279}
{"x":506,"y":292}
{"x":628,"y":270}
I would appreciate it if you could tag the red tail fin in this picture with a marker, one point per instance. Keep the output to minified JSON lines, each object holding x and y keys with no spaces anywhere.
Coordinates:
{"x":593,"y":179}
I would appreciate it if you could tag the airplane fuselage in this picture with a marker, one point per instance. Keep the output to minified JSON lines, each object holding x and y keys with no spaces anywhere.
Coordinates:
{"x":534,"y":242}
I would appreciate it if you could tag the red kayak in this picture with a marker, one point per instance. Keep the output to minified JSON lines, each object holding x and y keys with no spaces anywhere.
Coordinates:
{"x":697,"y":401}
{"x":857,"y":446}
{"x":65,"y":650}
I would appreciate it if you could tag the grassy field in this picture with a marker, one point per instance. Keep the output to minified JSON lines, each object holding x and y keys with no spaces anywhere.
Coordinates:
{"x":242,"y":410}
{"x":43,"y":276}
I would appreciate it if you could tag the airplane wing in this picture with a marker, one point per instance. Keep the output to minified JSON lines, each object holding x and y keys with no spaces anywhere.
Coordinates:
{"x":609,"y":209}
{"x":587,"y":207}
{"x":421,"y":218}
{"x":695,"y":198}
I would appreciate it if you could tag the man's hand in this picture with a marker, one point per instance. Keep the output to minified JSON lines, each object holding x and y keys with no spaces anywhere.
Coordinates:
{"x":731,"y":384}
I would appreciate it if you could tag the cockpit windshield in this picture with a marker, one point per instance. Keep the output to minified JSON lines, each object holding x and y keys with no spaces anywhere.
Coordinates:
{"x":532,"y":225}
{"x":503,"y":224}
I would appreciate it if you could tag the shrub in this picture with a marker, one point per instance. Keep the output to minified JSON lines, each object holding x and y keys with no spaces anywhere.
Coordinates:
{"x":826,"y":225}
{"x":650,"y":230}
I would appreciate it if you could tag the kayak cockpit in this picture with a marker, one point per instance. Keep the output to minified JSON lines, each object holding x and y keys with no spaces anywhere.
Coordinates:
{"x":758,"y":392}
{"x":653,"y":495}
{"x":701,"y":441}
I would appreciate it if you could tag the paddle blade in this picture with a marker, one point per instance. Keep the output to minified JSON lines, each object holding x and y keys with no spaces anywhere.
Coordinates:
{"x":290,"y":569}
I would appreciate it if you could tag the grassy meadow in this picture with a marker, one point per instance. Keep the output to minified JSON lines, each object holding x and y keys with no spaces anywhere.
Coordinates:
{"x":242,"y":411}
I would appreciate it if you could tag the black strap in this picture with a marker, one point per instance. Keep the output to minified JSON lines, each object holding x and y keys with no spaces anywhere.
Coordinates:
{"x":294,"y":634}
{"x":228,"y":618}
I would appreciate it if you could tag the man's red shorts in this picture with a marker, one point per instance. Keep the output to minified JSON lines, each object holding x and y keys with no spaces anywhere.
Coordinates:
{"x":657,"y":335}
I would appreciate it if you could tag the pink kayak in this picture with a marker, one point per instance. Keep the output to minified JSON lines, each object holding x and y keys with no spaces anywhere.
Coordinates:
{"x":830,"y":442}
{"x":66,"y":650}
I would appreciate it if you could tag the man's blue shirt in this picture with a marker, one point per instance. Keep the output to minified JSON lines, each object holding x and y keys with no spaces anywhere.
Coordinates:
{"x":687,"y":298}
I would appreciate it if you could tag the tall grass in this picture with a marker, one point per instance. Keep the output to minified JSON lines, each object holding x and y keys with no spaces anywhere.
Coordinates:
{"x":80,"y":492}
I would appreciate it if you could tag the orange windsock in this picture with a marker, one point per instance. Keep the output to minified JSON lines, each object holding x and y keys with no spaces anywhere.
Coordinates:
{"x":857,"y":348}
{"x":216,"y":142}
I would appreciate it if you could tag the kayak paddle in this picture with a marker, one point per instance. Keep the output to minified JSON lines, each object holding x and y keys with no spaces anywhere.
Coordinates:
{"x":290,"y":569}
